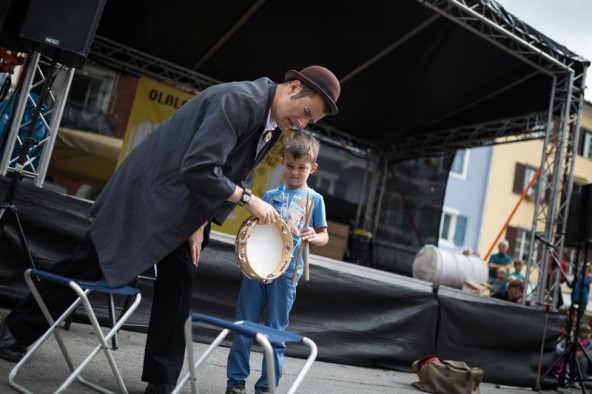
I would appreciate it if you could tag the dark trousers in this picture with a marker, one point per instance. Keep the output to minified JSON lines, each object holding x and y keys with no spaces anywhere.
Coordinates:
{"x":173,"y":289}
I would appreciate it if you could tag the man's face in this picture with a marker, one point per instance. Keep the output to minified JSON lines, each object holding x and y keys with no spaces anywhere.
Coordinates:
{"x":502,"y":248}
{"x":292,"y":112}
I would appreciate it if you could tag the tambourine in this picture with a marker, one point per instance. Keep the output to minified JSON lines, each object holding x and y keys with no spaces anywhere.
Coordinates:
{"x":264,"y":251}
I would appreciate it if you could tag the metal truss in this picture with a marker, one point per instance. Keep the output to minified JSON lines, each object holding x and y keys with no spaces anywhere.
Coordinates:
{"x":473,"y":136}
{"x":562,"y":126}
{"x":561,"y":145}
{"x":132,"y":61}
{"x":50,"y":115}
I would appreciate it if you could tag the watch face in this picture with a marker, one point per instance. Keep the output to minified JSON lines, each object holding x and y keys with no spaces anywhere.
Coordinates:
{"x":246,"y":198}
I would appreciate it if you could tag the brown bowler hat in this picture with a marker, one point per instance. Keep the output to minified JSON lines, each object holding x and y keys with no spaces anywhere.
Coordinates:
{"x":322,"y":81}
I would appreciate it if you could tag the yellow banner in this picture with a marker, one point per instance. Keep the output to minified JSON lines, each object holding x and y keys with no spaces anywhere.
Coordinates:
{"x":154,"y":102}
{"x":268,"y":175}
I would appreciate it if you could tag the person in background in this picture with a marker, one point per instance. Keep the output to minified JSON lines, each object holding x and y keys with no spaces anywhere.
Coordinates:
{"x":499,"y":284}
{"x":500,"y":259}
{"x":580,"y":286}
{"x":583,"y":354}
{"x":517,"y":273}
{"x":513,"y":293}
{"x":158,"y":206}
{"x":299,"y":160}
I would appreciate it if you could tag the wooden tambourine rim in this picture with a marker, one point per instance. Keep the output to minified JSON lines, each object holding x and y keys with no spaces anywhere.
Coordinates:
{"x":241,"y":248}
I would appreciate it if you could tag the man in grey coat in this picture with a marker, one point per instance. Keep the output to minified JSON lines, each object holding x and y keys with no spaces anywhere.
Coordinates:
{"x":157,"y":207}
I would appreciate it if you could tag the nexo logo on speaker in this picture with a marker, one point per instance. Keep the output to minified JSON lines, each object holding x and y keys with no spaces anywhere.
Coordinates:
{"x":52,"y":41}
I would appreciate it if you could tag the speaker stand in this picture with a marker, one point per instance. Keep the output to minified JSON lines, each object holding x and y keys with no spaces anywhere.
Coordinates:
{"x":569,"y":372}
{"x":8,"y":211}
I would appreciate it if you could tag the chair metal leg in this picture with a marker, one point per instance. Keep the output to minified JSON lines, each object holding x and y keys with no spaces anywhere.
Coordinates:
{"x":102,"y":338}
{"x":264,"y":336}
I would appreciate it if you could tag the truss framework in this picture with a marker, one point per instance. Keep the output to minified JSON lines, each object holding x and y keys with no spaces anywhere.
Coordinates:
{"x":132,"y":61}
{"x":565,"y":111}
{"x":59,"y":85}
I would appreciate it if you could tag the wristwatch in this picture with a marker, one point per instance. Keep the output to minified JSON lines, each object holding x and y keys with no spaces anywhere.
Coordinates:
{"x":245,"y":198}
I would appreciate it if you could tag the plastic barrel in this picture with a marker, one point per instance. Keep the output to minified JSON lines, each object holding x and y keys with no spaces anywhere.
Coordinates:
{"x":446,"y":268}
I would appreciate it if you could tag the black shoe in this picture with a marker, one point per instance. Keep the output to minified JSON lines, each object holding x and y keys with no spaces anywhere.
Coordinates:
{"x":236,"y":388}
{"x":161,"y":388}
{"x":10,"y":349}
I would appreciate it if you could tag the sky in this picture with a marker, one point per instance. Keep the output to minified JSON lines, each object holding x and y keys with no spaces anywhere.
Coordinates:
{"x":568,"y":22}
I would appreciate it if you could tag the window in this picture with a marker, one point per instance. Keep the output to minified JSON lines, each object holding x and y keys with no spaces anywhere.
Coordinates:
{"x":325,"y":182}
{"x":452,"y":227}
{"x":523,"y":176}
{"x":587,"y":149}
{"x":521,"y":245}
{"x":529,"y":173}
{"x":460,"y":164}
{"x":88,"y":100}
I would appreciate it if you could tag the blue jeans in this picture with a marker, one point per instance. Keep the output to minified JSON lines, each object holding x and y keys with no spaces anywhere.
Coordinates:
{"x":254,"y":297}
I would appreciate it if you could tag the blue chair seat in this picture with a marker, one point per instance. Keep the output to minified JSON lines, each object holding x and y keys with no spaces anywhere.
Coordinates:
{"x":82,"y":288}
{"x":264,"y":335}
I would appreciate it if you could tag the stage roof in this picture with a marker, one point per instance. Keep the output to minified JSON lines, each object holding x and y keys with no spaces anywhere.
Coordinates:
{"x":418,"y":77}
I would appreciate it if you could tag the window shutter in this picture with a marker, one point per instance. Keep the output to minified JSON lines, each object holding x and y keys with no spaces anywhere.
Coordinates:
{"x":581,"y":140}
{"x":519,"y":178}
{"x":461,"y":228}
{"x":511,"y":234}
{"x":547,"y":194}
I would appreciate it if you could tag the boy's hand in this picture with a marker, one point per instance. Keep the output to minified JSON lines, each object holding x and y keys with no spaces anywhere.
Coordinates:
{"x":308,"y":235}
{"x":262,"y":210}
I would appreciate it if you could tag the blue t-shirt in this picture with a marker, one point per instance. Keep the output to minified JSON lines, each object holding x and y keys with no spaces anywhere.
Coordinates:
{"x":318,"y":219}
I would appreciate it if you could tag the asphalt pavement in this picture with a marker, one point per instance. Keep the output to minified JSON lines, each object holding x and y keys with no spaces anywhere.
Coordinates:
{"x":45,"y":372}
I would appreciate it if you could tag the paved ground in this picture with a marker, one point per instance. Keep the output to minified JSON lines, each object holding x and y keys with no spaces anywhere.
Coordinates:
{"x":44,"y":374}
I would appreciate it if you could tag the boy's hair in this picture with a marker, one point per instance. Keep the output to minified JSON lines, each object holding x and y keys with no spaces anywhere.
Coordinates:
{"x":302,"y":145}
{"x":516,"y":283}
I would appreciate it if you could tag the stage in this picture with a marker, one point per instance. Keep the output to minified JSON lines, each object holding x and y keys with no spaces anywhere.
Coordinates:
{"x":357,"y":315}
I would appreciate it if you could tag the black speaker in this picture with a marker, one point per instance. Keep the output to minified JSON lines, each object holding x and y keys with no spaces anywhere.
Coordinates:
{"x":62,"y":29}
{"x":573,"y":234}
{"x":12,"y":14}
{"x":579,"y":219}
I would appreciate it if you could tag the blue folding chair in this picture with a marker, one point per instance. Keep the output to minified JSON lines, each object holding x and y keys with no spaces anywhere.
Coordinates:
{"x":264,"y":335}
{"x":82,"y":288}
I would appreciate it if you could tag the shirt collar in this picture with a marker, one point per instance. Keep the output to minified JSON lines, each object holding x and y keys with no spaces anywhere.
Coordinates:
{"x":270,"y":125}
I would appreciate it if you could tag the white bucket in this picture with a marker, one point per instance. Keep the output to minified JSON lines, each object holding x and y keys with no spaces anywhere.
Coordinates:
{"x":449,"y":269}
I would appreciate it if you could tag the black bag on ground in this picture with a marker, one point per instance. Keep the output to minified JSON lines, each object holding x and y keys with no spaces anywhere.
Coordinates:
{"x":446,"y":376}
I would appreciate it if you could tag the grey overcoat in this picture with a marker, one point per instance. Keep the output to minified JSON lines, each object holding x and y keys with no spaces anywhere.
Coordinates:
{"x":180,"y":177}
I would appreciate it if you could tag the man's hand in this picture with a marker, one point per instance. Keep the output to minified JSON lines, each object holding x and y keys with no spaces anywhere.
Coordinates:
{"x":195,"y":241}
{"x":262,"y":210}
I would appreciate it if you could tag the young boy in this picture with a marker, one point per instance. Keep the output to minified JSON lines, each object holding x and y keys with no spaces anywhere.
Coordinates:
{"x":299,"y":156}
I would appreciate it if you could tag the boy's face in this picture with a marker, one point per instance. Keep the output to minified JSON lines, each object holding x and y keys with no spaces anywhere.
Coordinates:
{"x":514,"y":292}
{"x":296,"y":171}
{"x":501,"y":274}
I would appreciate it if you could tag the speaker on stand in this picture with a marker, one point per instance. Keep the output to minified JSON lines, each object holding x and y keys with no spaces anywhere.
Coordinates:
{"x":62,"y":29}
{"x":12,"y":14}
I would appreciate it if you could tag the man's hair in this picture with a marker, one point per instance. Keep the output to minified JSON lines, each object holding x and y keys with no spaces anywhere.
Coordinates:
{"x":306,"y":91}
{"x":302,"y":145}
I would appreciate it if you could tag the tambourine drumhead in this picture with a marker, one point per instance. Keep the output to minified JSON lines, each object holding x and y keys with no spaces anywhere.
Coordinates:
{"x":264,"y":251}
